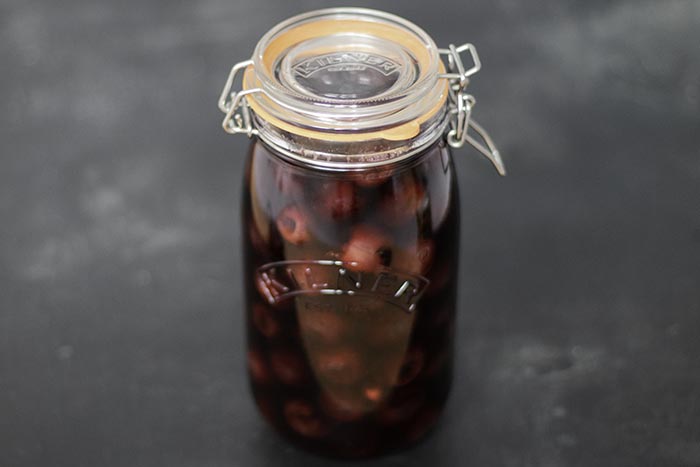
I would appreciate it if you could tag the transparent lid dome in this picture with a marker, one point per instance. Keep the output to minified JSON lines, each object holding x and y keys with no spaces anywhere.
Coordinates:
{"x":346,"y":70}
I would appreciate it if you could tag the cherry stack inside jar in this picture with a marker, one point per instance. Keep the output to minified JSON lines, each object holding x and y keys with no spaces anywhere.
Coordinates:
{"x":341,"y":359}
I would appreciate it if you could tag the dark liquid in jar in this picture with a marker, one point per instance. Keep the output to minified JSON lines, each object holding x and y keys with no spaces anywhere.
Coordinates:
{"x":351,"y":288}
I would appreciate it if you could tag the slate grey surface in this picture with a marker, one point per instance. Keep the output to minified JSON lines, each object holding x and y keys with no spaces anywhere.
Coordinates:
{"x":120,"y":300}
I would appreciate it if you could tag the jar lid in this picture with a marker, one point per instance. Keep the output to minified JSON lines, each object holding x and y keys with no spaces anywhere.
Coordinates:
{"x":346,"y":75}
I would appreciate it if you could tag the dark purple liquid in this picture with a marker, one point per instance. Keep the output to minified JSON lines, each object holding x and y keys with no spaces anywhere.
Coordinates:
{"x":350,"y":338}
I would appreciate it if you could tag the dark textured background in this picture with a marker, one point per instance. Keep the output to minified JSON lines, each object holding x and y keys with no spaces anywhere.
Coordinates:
{"x":120,"y":300}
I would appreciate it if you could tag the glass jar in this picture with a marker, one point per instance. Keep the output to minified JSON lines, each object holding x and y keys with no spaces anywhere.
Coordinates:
{"x":351,"y":225}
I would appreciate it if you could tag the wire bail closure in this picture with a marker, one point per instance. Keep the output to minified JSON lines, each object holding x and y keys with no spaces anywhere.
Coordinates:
{"x":239,"y":119}
{"x":462,"y":103}
{"x":234,"y":104}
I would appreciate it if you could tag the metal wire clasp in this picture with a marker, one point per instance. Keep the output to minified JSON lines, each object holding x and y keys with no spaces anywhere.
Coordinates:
{"x":462,"y":103}
{"x":239,"y":119}
{"x":235,"y":105}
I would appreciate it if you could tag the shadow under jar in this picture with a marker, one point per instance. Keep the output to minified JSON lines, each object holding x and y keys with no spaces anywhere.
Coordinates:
{"x":351,"y":225}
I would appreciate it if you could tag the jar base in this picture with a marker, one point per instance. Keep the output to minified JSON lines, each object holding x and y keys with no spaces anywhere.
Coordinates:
{"x":334,"y":444}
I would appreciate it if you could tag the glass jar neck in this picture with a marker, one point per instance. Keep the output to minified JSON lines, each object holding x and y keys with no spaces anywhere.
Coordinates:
{"x":352,"y":151}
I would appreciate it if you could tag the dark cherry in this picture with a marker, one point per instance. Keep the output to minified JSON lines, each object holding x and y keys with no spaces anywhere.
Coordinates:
{"x":257,"y":367}
{"x":292,"y":224}
{"x":403,"y":198}
{"x":417,"y":259}
{"x":367,"y":249}
{"x":304,"y":419}
{"x":411,"y":367}
{"x":265,"y":321}
{"x":288,"y":367}
{"x":339,"y":199}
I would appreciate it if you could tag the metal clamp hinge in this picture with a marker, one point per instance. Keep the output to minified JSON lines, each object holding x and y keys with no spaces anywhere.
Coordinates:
{"x":234,"y":104}
{"x":462,"y":103}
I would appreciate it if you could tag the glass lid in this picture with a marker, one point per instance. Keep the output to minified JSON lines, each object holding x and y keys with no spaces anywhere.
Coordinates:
{"x":321,"y":83}
{"x":347,"y":70}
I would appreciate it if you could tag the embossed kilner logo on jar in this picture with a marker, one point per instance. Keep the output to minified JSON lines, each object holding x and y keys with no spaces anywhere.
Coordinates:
{"x":286,"y":279}
{"x":345,"y":61}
